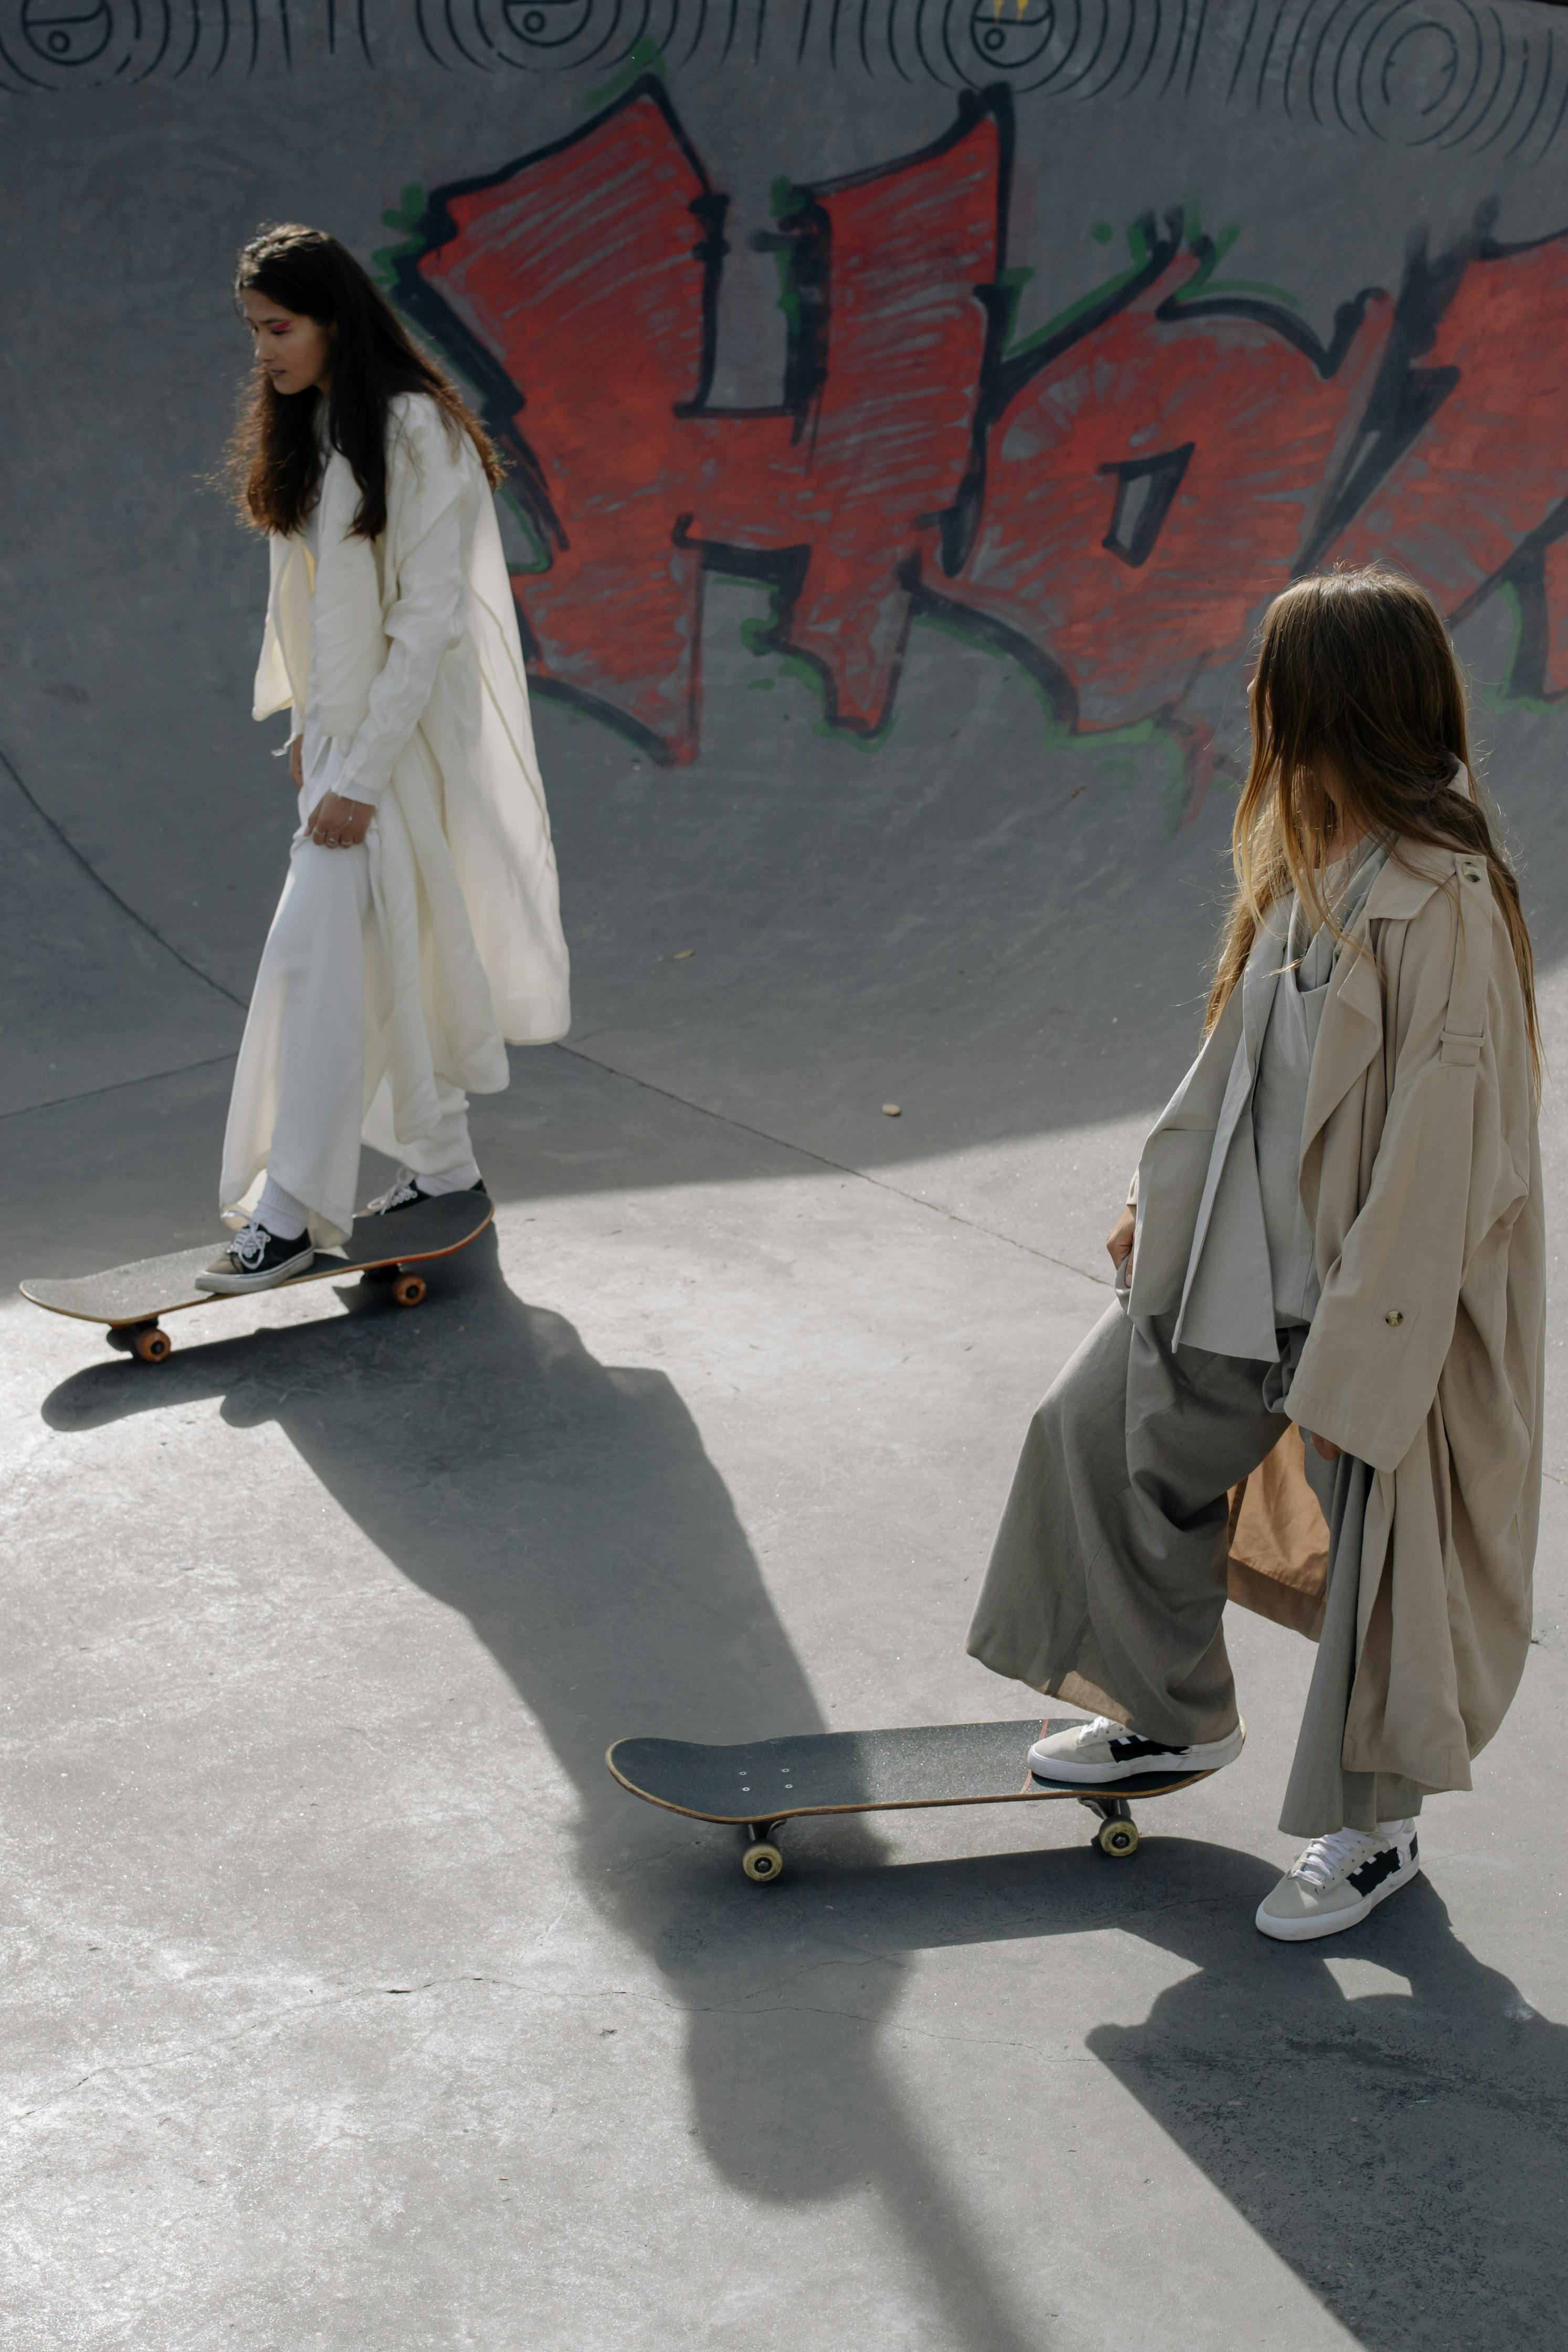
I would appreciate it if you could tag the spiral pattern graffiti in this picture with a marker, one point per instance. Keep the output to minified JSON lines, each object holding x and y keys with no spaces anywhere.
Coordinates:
{"x":1449,"y":74}
{"x":542,"y":35}
{"x":51,"y":46}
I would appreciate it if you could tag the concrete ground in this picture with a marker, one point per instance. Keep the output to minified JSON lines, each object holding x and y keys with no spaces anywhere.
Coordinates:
{"x":351,"y":2004}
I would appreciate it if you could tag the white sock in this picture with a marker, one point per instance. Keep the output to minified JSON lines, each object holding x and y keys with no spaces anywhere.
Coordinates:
{"x":284,"y":1217}
{"x":1395,"y":1831}
{"x":460,"y":1178}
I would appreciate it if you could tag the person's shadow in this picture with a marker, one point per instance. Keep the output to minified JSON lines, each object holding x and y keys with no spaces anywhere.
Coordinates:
{"x":567,"y":1509}
{"x":1403,"y":2152}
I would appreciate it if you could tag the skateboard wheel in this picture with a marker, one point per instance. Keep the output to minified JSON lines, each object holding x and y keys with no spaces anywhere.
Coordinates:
{"x":762,"y":1862}
{"x":409,"y":1289}
{"x":1118,"y":1839}
{"x":154,"y":1346}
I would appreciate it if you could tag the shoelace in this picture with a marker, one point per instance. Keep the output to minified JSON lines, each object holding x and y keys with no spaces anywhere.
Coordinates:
{"x":248,"y":1249}
{"x":406,"y":1188}
{"x":1323,"y":1861}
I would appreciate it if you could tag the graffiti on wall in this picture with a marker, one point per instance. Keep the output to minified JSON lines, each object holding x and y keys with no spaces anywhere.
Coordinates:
{"x":1416,"y":73}
{"x":1108,"y":500}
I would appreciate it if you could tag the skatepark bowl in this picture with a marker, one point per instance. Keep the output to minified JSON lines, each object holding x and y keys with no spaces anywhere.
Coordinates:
{"x":910,"y":407}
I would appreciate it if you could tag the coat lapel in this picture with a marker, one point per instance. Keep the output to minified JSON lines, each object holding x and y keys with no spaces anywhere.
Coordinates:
{"x":1351,"y":1033}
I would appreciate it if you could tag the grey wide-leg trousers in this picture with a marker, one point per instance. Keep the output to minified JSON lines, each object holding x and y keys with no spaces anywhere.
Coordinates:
{"x":1107,"y":1581}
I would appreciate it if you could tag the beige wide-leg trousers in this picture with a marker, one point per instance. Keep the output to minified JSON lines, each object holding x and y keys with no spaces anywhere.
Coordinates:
{"x":1107,"y":1581}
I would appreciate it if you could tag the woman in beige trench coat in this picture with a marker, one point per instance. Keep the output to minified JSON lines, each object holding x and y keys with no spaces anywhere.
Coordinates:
{"x":1318,"y":1392}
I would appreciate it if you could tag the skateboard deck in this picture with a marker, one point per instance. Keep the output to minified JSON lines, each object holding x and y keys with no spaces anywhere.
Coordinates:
{"x":132,"y":1300}
{"x":760,"y":1787}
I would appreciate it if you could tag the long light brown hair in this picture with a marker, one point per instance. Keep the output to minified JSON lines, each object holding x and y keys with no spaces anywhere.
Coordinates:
{"x":275,"y":457}
{"x":1358,"y":717}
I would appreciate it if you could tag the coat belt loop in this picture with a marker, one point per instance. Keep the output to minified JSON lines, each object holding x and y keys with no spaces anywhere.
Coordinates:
{"x":1465,"y":1028}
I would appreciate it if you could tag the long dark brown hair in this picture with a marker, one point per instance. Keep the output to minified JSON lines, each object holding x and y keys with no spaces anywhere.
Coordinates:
{"x":275,"y":458}
{"x":1358,"y":716}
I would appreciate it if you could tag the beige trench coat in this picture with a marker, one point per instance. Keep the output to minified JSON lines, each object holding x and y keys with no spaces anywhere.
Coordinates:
{"x":1421,"y":1181}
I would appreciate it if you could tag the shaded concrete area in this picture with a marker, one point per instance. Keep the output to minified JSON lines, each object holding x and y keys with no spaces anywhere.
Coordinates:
{"x":350,"y":2000}
{"x":93,"y":996}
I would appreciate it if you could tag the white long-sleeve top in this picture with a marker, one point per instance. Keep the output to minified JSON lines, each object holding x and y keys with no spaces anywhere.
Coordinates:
{"x":425,"y":623}
{"x":402,"y":663}
{"x":1253,"y":1270}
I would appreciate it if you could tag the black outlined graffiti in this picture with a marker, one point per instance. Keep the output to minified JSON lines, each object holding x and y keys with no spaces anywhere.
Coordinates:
{"x":1107,"y":502}
{"x":1443,"y":74}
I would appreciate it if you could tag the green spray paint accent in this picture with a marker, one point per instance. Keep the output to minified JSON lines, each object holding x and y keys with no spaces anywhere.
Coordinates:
{"x":758,"y":638}
{"x":1013,"y":281}
{"x":1101,"y":232}
{"x":538,"y":552}
{"x":646,"y":58}
{"x":1504,"y":695}
{"x":1205,"y":280}
{"x":407,"y":214}
{"x":1118,"y":742}
{"x":784,"y":197}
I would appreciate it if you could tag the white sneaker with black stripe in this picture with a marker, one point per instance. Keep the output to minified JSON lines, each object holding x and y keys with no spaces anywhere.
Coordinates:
{"x":1092,"y":1754}
{"x":255,"y":1260}
{"x":1338,"y":1880}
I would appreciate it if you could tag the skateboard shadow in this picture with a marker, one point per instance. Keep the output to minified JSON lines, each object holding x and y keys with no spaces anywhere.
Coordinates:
{"x":569,"y":1510}
{"x":1404,"y":2150}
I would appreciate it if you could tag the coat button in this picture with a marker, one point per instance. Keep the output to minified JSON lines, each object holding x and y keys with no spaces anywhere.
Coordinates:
{"x":1394,"y":1317}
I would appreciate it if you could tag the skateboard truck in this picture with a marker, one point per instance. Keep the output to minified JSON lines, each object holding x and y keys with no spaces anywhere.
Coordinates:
{"x":1116,"y":1837}
{"x":148,"y":1341}
{"x":762,"y":1859}
{"x":1117,"y":1834}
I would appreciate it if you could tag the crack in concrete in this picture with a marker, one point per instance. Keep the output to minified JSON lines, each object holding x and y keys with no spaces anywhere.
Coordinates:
{"x":68,"y":845}
{"x":117,"y":1086}
{"x":126,"y":2069}
{"x":838,"y":1167}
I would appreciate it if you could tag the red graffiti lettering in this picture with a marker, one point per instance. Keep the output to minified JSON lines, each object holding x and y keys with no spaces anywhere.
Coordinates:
{"x":580,"y":272}
{"x":1149,"y":488}
{"x":1112,"y":503}
{"x":1489,"y":466}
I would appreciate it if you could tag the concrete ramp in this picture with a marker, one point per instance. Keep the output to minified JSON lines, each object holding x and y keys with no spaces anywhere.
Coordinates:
{"x":94,"y":999}
{"x":910,"y":408}
{"x":908,"y":421}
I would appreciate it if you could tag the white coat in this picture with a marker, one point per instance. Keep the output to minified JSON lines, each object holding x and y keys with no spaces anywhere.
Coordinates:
{"x":418,"y":672}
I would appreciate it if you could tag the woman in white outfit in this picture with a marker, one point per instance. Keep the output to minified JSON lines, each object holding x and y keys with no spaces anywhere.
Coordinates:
{"x":1318,"y":1392}
{"x":419,"y":928}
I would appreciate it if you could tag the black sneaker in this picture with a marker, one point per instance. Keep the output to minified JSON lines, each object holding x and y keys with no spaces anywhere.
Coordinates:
{"x":255,"y":1260}
{"x":406,"y":1192}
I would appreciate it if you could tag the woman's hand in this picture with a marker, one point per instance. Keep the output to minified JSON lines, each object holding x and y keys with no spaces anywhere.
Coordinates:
{"x":337,"y":824}
{"x":1119,"y":1240}
{"x":296,"y":762}
{"x":1324,"y":1446}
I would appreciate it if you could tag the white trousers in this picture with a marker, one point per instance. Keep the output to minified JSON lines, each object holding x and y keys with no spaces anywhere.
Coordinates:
{"x":310,"y":1080}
